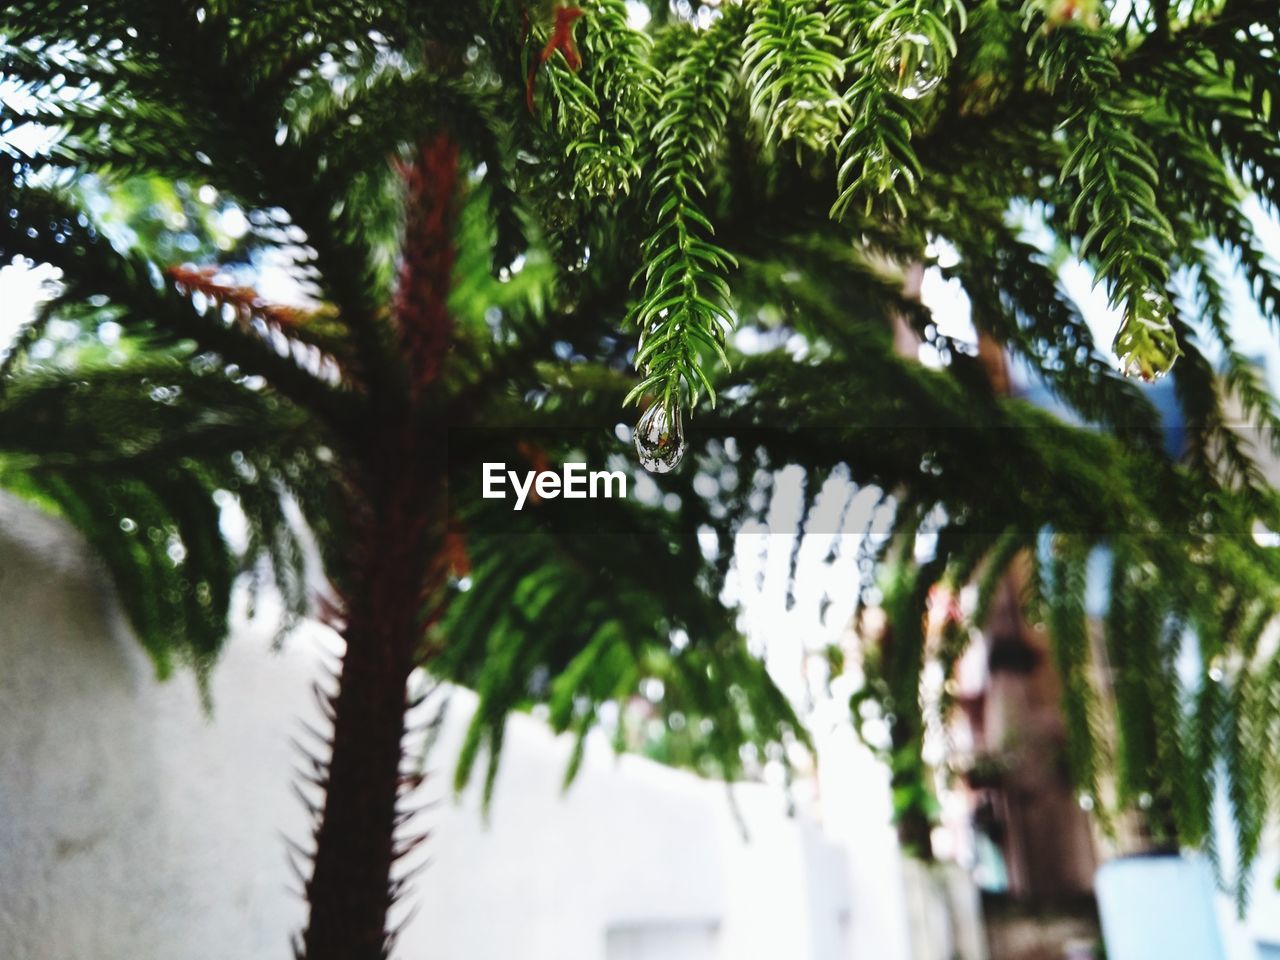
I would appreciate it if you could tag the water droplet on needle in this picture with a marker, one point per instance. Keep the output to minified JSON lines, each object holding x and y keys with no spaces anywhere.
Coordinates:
{"x":660,"y":438}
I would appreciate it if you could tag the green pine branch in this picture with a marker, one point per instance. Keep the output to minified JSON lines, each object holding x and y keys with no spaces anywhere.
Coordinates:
{"x":685,"y":308}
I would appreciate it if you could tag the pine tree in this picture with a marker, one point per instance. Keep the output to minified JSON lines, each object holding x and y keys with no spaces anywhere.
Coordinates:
{"x":514,"y":219}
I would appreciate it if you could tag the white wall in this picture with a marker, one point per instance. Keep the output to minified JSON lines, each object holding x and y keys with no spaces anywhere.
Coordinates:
{"x":133,"y":826}
{"x":130,"y":825}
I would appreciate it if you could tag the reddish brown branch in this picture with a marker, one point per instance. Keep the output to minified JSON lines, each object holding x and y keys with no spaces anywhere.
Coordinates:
{"x":246,"y":301}
{"x":561,"y":39}
{"x":295,"y":323}
{"x":426,"y":269}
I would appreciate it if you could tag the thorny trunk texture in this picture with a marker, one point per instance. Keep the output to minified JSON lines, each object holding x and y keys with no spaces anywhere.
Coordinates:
{"x":398,"y":562}
{"x":349,"y":890}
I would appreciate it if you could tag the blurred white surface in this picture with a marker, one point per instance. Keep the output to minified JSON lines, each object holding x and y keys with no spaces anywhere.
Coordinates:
{"x":1158,"y":908}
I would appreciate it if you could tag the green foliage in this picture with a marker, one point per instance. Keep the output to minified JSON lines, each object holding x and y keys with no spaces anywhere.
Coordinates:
{"x":1069,"y":630}
{"x":602,"y":109}
{"x":600,"y":640}
{"x":793,"y":63}
{"x":685,"y":310}
{"x":900,"y":51}
{"x":143,"y":457}
{"x":1132,"y":143}
{"x":1116,"y":207}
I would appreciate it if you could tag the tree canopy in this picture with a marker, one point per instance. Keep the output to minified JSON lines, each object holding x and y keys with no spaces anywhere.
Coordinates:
{"x":503,"y":223}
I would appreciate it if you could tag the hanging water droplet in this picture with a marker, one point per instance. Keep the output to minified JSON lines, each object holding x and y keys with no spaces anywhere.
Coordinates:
{"x":1086,"y":802}
{"x":660,"y":439}
{"x":912,"y":68}
{"x":1146,"y":345}
{"x":1144,"y":801}
{"x":1216,"y":672}
{"x":128,"y":525}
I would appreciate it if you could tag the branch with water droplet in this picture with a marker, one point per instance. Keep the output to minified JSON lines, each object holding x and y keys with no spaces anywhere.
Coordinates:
{"x":901,"y":53}
{"x":684,"y":311}
{"x":1116,"y":210}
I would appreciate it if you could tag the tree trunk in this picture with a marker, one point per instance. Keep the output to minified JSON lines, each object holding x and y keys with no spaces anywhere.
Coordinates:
{"x":349,"y":892}
{"x":399,"y":527}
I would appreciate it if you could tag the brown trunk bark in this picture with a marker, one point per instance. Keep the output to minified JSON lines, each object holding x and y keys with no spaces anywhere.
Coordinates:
{"x":349,"y":891}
